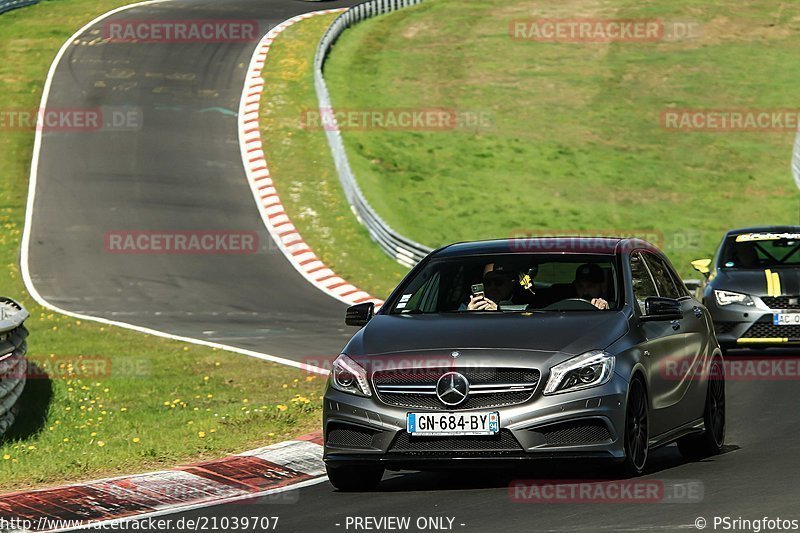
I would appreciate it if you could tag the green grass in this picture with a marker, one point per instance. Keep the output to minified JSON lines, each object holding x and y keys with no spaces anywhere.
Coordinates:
{"x":302,"y":168}
{"x":575,"y":141}
{"x":159,"y":403}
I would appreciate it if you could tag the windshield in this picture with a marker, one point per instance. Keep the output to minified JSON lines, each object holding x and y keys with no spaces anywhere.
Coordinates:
{"x":760,"y":250}
{"x":511,"y":283}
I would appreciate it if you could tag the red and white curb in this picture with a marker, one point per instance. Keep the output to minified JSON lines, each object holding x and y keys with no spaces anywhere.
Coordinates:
{"x":246,"y":477}
{"x":280,"y":227}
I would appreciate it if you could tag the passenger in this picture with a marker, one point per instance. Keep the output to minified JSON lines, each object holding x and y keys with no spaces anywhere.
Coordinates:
{"x":498,"y":286}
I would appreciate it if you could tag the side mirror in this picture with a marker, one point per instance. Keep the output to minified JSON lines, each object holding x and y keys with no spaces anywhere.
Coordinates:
{"x":657,"y":308}
{"x":359,"y":315}
{"x":702,"y":265}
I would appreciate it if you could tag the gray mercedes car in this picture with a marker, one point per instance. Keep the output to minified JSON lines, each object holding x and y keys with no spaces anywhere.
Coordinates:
{"x":545,"y":348}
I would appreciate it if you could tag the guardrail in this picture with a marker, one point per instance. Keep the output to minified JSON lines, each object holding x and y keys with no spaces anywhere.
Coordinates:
{"x":13,"y":365}
{"x":8,"y":5}
{"x":404,"y":250}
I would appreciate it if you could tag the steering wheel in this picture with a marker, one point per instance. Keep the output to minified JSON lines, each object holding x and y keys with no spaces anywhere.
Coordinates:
{"x":572,"y":304}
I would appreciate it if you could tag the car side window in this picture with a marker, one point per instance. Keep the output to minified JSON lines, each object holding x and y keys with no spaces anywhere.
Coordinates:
{"x":643,"y":286}
{"x":666,"y":287}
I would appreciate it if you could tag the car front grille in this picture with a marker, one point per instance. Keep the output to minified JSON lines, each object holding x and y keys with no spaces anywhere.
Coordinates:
{"x":782,"y":302}
{"x":767,"y":330}
{"x":349,"y":436}
{"x":575,"y":432}
{"x":416,"y":388}
{"x":503,"y":442}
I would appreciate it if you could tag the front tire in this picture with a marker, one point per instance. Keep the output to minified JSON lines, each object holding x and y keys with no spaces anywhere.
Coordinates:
{"x":710,"y":442}
{"x":354,"y":478}
{"x":637,"y":429}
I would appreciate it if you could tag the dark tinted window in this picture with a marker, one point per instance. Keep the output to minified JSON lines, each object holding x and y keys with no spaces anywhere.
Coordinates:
{"x":666,"y":287}
{"x":756,"y":251}
{"x":516,"y":282}
{"x":642,"y":283}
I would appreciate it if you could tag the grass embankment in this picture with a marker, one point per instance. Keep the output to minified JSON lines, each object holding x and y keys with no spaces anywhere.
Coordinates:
{"x":575,"y":138}
{"x":136,"y":402}
{"x":302,"y":167}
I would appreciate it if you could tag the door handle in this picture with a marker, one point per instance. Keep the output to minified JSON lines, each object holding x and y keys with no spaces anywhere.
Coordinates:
{"x":698,"y":313}
{"x":676,"y":325}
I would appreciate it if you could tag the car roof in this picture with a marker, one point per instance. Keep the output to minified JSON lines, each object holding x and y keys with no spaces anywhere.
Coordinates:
{"x":764,"y":229}
{"x":564,"y":244}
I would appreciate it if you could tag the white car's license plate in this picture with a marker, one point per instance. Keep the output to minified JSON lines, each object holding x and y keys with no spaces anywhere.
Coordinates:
{"x":786,"y":319}
{"x":440,"y":424}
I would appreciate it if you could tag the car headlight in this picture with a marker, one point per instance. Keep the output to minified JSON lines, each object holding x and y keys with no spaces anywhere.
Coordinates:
{"x":587,"y":370}
{"x":728,"y":297}
{"x":349,"y":376}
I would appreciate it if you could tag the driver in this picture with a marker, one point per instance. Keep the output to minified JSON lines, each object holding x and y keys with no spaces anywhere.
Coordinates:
{"x":498,"y":286}
{"x":590,"y":285}
{"x":745,"y":255}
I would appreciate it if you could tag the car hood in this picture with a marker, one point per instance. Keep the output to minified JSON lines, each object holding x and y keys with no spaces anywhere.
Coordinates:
{"x":755,"y":281}
{"x":570,"y":333}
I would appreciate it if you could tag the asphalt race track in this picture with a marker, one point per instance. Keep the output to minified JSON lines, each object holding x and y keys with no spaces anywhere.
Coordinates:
{"x":182,"y":171}
{"x":755,"y":477}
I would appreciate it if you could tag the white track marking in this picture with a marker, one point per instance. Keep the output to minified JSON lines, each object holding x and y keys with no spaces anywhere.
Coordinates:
{"x":280,"y":228}
{"x":26,"y":235}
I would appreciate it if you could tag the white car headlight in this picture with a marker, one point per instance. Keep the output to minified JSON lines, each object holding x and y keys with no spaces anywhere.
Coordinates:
{"x":349,"y":376}
{"x":728,"y":297}
{"x":582,"y":372}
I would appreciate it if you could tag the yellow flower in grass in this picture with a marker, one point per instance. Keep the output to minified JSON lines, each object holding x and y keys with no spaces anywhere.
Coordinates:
{"x":201,"y":434}
{"x":101,"y":443}
{"x":282,"y":407}
{"x":136,"y":439}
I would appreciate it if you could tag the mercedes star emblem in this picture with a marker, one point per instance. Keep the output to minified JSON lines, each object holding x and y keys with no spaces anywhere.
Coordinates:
{"x":452,"y":389}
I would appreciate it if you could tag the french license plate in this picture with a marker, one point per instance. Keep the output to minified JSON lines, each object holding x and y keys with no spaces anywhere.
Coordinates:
{"x":786,"y":319}
{"x":442,"y":424}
